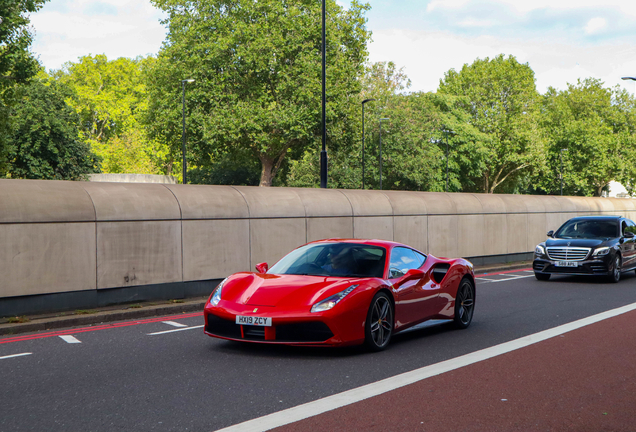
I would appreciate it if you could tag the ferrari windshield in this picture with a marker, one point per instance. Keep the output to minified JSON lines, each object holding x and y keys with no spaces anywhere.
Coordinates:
{"x":333,"y":259}
{"x":588,"y":229}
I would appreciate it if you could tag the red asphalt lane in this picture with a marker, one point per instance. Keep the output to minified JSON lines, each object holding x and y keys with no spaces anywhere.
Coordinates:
{"x":583,"y":380}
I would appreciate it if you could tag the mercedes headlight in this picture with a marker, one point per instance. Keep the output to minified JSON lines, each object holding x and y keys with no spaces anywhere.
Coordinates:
{"x":216,"y":296}
{"x":601,"y":251}
{"x":539,"y":250}
{"x":330,"y":302}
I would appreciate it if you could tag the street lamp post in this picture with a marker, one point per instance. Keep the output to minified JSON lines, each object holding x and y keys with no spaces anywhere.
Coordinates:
{"x":183,"y":136}
{"x":363,"y":102}
{"x":561,"y":157}
{"x":446,"y":138}
{"x":323,"y":153}
{"x":381,"y":120}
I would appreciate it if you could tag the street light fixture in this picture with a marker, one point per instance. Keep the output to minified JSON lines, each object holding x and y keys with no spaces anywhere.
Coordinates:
{"x":381,"y":120}
{"x":561,"y":157}
{"x":183,"y":136}
{"x":323,"y":153}
{"x":363,"y":102}
{"x":629,"y":78}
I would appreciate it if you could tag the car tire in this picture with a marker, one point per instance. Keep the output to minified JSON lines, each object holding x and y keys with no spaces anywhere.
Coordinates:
{"x":379,"y":325}
{"x":464,"y":304}
{"x":542,"y":276}
{"x":615,"y":272}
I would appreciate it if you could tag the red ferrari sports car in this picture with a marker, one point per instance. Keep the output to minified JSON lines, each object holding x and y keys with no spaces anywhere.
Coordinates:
{"x":341,"y":292}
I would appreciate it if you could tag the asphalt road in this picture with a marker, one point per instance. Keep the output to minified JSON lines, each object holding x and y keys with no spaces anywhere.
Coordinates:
{"x":151,"y":375}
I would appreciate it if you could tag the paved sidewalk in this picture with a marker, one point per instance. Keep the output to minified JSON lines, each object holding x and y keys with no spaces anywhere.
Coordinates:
{"x":583,"y":380}
{"x":53,"y":321}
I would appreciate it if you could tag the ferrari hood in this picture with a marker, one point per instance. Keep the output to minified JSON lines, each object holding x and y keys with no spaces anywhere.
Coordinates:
{"x":255,"y":289}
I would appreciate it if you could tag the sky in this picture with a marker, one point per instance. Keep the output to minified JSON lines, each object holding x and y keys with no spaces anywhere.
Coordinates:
{"x":561,"y":40}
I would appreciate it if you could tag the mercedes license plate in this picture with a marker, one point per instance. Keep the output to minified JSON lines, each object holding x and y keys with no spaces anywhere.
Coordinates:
{"x":254,"y":320}
{"x":566,"y":264}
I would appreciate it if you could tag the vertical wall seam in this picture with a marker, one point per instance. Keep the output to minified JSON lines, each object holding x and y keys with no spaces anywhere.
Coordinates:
{"x":181,"y":224}
{"x":96,"y":248}
{"x":249,"y":228}
{"x":353,"y":225}
{"x":392,"y":216}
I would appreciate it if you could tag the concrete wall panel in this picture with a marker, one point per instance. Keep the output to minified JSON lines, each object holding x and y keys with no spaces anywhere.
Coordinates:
{"x":329,"y":227}
{"x":495,"y":237}
{"x":271,"y":239}
{"x":27,"y":201}
{"x":470,"y":235}
{"x":206,"y":248}
{"x":272,"y":202}
{"x":324,"y":202}
{"x":210,"y":202}
{"x":369,"y":203}
{"x":491,"y":203}
{"x":439,"y":203}
{"x":412,"y":230}
{"x":466,"y":203}
{"x":407,"y":203}
{"x":442,"y":236}
{"x":46,"y":258}
{"x":536,"y":230}
{"x":517,"y":236}
{"x":373,"y":228}
{"x":138,"y":253}
{"x":132,"y":202}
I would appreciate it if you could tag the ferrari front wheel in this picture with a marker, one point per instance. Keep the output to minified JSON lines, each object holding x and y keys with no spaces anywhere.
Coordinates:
{"x":379,"y":324}
{"x":464,"y":304}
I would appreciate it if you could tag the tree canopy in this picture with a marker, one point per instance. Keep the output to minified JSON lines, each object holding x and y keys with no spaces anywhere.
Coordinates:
{"x":257,"y":69}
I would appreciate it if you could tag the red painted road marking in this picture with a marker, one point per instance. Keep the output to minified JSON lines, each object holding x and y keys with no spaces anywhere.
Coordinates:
{"x":503,"y":272}
{"x":96,"y":328}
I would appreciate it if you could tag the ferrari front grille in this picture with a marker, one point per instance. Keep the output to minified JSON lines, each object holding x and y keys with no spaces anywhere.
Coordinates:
{"x":303,"y":332}
{"x":568,"y":253}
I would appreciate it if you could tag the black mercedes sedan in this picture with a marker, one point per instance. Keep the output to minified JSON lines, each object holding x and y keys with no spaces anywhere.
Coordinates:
{"x":588,"y":245}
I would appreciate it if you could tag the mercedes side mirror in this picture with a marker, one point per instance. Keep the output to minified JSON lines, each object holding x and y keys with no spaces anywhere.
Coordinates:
{"x":629,"y":234}
{"x":550,"y":233}
{"x":262,"y":267}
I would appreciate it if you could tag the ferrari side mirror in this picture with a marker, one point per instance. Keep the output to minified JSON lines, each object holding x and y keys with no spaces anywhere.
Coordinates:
{"x":262,"y":267}
{"x":414,"y":274}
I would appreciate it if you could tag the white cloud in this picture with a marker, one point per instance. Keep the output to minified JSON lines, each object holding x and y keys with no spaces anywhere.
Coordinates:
{"x":426,"y":56}
{"x":595,"y":26}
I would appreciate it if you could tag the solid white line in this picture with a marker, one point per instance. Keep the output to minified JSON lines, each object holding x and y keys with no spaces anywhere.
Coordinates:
{"x":348,"y":397}
{"x":176,"y":330}
{"x":15,"y":355}
{"x":70,"y":339}
{"x":174,"y":324}
{"x":507,"y":279}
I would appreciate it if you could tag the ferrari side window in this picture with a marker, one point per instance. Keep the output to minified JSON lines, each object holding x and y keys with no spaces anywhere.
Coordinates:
{"x":402,"y":260}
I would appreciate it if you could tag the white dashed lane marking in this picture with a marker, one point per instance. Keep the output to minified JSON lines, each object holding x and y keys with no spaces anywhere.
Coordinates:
{"x":14,"y":355}
{"x":69,"y":339}
{"x":174,"y":324}
{"x":175,"y":330}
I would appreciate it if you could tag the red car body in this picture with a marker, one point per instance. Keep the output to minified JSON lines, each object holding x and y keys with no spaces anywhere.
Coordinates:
{"x":428,"y":292}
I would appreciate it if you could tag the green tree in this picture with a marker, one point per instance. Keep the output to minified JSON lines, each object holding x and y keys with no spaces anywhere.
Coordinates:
{"x":110,"y":98}
{"x":596,"y":125}
{"x":17,"y":64}
{"x":258,"y":82}
{"x":502,"y":101}
{"x":44,"y":137}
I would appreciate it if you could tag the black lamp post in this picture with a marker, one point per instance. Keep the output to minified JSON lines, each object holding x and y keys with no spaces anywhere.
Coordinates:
{"x":183,"y":136}
{"x":561,"y":157}
{"x":323,"y":153}
{"x":363,"y":102}
{"x":381,"y":120}
{"x":446,"y":138}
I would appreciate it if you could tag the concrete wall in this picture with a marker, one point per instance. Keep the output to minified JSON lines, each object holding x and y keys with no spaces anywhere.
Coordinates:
{"x":58,"y":236}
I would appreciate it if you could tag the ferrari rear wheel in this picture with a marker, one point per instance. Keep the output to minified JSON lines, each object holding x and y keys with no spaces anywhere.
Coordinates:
{"x":464,"y":304}
{"x":379,"y":325}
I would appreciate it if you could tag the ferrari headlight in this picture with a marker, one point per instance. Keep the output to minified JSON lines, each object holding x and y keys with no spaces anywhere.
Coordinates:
{"x":330,"y":302}
{"x":601,"y":251}
{"x":539,"y":250}
{"x":216,"y":297}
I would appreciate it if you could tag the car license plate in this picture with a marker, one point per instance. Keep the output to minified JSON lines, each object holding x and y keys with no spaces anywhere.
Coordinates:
{"x":566,"y":264}
{"x":254,"y":320}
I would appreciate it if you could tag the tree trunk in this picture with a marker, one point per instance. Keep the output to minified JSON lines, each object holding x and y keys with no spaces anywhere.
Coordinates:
{"x":267,"y":168}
